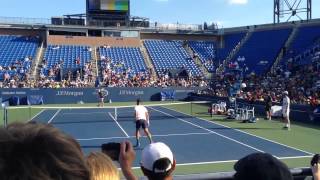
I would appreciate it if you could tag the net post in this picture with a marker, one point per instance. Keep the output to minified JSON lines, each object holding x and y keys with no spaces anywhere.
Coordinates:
{"x":29,"y":113}
{"x":191,"y":108}
{"x":115,"y":114}
{"x":5,"y":117}
{"x":211,"y":110}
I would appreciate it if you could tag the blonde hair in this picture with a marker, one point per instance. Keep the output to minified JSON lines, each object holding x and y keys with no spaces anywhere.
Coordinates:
{"x":101,"y":167}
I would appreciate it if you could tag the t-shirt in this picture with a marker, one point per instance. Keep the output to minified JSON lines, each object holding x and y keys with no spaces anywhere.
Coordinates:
{"x":140,"y":112}
{"x":269,"y":101}
{"x":286,"y":104}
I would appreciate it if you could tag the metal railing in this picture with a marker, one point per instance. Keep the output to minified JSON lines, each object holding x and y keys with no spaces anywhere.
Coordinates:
{"x":26,"y":21}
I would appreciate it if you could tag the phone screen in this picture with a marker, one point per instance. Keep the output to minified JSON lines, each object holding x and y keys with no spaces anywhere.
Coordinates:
{"x":112,"y":150}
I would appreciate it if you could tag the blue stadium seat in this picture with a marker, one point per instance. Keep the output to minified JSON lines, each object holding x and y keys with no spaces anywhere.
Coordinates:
{"x":14,"y":50}
{"x":170,"y":55}
{"x":262,"y":49}
{"x":69,"y":54}
{"x":305,"y":42}
{"x":206,"y":52}
{"x":128,"y":57}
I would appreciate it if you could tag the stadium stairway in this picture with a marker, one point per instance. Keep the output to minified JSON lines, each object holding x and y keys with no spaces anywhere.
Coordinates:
{"x":148,"y":61}
{"x":94,"y":55}
{"x":234,"y":51}
{"x":286,"y":46}
{"x":38,"y":59}
{"x":197,"y":61}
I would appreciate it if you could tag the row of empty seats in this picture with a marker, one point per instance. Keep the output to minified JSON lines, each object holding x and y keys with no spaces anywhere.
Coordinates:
{"x":262,"y":48}
{"x":69,"y":54}
{"x":305,"y":42}
{"x":17,"y":52}
{"x":124,"y":58}
{"x":206,"y":51}
{"x":167,"y":55}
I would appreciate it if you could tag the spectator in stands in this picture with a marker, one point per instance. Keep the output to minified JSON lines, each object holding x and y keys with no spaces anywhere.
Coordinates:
{"x":157,"y":162}
{"x":315,"y":166}
{"x":268,"y":106}
{"x":40,"y":151}
{"x":261,"y":166}
{"x":101,"y":167}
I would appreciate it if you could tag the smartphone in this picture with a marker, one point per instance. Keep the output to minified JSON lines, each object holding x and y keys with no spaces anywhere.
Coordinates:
{"x":112,"y":150}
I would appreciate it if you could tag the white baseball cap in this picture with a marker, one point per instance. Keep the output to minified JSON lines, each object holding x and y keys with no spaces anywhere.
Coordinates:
{"x":286,"y":92}
{"x":154,"y":152}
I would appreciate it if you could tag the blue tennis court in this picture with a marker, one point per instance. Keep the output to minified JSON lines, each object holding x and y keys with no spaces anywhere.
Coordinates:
{"x":193,"y":140}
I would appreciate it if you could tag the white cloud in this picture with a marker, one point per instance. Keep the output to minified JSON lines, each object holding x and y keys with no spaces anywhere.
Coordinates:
{"x":240,"y":2}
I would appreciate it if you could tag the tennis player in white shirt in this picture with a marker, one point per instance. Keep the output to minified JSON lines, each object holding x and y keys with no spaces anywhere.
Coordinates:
{"x":286,"y":109}
{"x":142,"y":121}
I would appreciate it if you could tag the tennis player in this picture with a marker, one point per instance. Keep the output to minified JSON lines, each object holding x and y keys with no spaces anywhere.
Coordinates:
{"x":101,"y":95}
{"x":142,"y":121}
{"x":286,"y":110}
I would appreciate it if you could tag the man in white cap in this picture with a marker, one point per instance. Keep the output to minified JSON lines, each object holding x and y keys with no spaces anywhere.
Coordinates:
{"x":286,"y":109}
{"x":157,"y":162}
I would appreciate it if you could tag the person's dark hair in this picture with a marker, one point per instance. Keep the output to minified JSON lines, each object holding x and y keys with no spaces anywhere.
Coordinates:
{"x":38,"y":151}
{"x":315,"y":159}
{"x":261,"y":166}
{"x":138,"y":101}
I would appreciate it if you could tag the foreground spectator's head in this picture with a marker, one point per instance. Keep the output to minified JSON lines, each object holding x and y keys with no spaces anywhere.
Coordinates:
{"x":157,"y":162}
{"x":315,"y":159}
{"x":315,"y":166}
{"x":101,"y":167}
{"x":261,"y":166}
{"x":37,"y":152}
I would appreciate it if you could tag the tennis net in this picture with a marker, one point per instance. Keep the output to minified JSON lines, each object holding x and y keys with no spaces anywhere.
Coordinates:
{"x":90,"y":114}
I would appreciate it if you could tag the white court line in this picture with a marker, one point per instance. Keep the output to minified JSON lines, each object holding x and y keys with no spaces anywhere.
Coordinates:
{"x":85,"y":113}
{"x":55,"y":114}
{"x":244,"y":132}
{"x":36,"y":115}
{"x":210,"y":131}
{"x":119,"y":125}
{"x":165,"y":135}
{"x":295,"y":157}
{"x":93,"y":139}
{"x":230,"y":161}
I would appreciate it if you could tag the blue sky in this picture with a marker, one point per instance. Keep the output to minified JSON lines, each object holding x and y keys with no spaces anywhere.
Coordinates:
{"x":228,"y":13}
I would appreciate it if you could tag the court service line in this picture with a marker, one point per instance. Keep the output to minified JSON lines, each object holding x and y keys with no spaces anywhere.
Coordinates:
{"x":256,"y":149}
{"x":118,"y":124}
{"x":36,"y":115}
{"x":200,"y":163}
{"x":164,"y":135}
{"x":244,"y":132}
{"x":89,"y":113}
{"x":295,"y":157}
{"x":93,"y":139}
{"x":55,"y":114}
{"x":230,"y":161}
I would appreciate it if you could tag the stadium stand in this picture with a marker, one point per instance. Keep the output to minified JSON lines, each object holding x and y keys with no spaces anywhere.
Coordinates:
{"x":206,"y":52}
{"x":305,"y":43}
{"x":16,"y":56}
{"x":230,"y":42}
{"x":124,"y":58}
{"x":67,"y":62}
{"x":168,"y":54}
{"x":73,"y":57}
{"x":261,"y":49}
{"x":123,"y":67}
